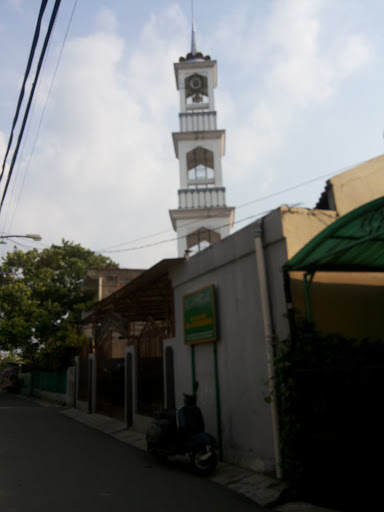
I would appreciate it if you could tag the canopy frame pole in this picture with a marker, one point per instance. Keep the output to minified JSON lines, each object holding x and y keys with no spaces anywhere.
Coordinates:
{"x":308,"y":278}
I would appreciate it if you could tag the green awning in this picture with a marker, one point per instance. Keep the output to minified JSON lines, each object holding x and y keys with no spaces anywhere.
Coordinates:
{"x":353,"y":243}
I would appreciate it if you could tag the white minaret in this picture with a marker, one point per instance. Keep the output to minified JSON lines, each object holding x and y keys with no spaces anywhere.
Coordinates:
{"x":202,"y":217}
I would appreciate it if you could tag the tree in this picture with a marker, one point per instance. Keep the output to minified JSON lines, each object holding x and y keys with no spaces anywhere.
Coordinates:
{"x":42,"y":298}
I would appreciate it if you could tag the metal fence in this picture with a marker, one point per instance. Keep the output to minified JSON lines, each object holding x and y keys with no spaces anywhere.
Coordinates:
{"x":54,"y":382}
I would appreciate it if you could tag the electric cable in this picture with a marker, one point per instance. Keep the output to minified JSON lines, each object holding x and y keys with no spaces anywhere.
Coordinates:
{"x":26,"y":74}
{"x":111,"y":249}
{"x":44,"y":110}
{"x":257,"y":200}
{"x":160,"y":242}
{"x":42,"y":55}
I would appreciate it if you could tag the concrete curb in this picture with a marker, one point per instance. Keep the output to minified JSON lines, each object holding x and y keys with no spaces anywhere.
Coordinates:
{"x":262,"y":489}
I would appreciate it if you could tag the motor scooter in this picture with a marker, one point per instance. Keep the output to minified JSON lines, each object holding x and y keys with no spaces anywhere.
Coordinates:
{"x":182,"y":432}
{"x":9,"y":380}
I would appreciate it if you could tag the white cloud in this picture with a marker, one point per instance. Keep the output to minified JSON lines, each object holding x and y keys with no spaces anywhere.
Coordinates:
{"x":104,"y":171}
{"x":303,"y":69}
{"x":356,"y":53}
{"x":287,"y":66}
{"x":17,"y":4}
{"x":105,"y":144}
{"x":106,"y":20}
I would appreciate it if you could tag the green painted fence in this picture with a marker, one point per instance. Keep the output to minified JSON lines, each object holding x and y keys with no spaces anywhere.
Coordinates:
{"x":55,"y":382}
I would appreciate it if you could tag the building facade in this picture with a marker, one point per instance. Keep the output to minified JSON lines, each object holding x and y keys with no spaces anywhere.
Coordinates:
{"x":235,"y":370}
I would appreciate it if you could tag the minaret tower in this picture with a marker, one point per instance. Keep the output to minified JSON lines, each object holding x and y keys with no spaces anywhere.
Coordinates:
{"x":202,"y":217}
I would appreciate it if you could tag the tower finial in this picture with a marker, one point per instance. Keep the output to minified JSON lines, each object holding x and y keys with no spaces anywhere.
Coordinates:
{"x":193,"y":38}
{"x":194,"y":54}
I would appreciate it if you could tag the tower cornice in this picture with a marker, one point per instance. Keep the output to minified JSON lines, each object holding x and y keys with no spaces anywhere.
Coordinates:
{"x":200,"y":135}
{"x":193,"y":66}
{"x":226,"y":214}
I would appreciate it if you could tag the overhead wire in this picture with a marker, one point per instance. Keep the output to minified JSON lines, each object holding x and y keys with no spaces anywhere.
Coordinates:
{"x":20,"y":244}
{"x":44,"y":3}
{"x":39,"y":65}
{"x":174,"y":239}
{"x":44,"y":109}
{"x":53,"y":17}
{"x":26,"y":75}
{"x":113,"y":248}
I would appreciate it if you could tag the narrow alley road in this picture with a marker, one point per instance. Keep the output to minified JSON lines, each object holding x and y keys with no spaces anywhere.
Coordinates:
{"x":49,"y":462}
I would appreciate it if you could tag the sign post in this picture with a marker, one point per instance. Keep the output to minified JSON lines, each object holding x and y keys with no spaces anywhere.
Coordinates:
{"x":200,"y":324}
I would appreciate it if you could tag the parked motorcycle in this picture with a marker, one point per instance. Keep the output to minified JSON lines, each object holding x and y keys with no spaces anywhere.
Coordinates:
{"x":182,"y":432}
{"x":9,"y":380}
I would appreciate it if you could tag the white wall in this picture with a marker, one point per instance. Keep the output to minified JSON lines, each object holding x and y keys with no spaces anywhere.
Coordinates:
{"x":245,"y":416}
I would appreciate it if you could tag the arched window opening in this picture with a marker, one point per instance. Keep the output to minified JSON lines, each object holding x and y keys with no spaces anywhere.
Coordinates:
{"x":201,"y":239}
{"x":200,"y":167}
{"x":200,"y":172}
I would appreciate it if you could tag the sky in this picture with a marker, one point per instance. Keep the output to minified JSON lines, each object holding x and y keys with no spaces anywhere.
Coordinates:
{"x":300,"y":95}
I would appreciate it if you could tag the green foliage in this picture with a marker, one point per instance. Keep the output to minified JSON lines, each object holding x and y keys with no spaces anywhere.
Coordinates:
{"x":59,"y":353}
{"x":318,"y":385}
{"x":10,"y":359}
{"x":42,"y":298}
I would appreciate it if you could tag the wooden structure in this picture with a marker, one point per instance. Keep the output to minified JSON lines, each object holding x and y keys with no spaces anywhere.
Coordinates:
{"x":139,"y":314}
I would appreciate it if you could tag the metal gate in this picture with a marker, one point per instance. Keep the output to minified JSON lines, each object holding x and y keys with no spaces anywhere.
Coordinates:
{"x":110,"y":380}
{"x":150,"y":393}
{"x":83,"y":372}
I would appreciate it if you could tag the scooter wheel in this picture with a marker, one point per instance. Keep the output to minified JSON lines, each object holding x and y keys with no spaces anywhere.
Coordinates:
{"x":203,"y":459}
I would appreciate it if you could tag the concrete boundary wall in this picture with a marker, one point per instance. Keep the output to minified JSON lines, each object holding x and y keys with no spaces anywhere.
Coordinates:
{"x":240,"y":413}
{"x":67,"y":398}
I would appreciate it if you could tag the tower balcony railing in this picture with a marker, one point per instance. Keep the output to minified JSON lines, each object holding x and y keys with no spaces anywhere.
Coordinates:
{"x":213,"y":197}
{"x":197,"y":121}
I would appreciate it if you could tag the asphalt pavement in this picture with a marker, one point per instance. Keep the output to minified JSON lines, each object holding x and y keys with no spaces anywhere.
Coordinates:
{"x":49,"y":462}
{"x":261,"y":489}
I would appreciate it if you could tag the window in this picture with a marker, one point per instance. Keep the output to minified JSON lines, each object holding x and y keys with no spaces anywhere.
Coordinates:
{"x":196,"y":90}
{"x":201,"y":239}
{"x":200,"y":167}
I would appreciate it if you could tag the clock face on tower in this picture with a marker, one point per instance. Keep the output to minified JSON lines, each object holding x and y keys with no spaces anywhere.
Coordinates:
{"x":195,"y":83}
{"x":196,"y":88}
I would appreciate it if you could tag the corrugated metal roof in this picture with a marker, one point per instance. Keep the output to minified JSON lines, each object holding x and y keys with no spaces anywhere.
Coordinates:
{"x":355,"y":242}
{"x":146,"y":295}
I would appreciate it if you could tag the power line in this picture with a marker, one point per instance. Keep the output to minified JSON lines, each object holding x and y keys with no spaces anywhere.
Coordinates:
{"x":44,"y":108}
{"x":39,"y":65}
{"x":160,"y":242}
{"x":257,"y":215}
{"x":26,"y":74}
{"x":110,"y":249}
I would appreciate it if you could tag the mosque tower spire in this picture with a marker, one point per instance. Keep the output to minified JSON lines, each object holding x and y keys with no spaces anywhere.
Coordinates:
{"x":202,"y":217}
{"x":193,"y":37}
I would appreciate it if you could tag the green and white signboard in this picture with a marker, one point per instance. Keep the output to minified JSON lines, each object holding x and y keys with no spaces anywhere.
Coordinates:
{"x":200,"y":316}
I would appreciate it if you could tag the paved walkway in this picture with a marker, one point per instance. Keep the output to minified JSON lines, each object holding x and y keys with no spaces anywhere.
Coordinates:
{"x":263,"y":490}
